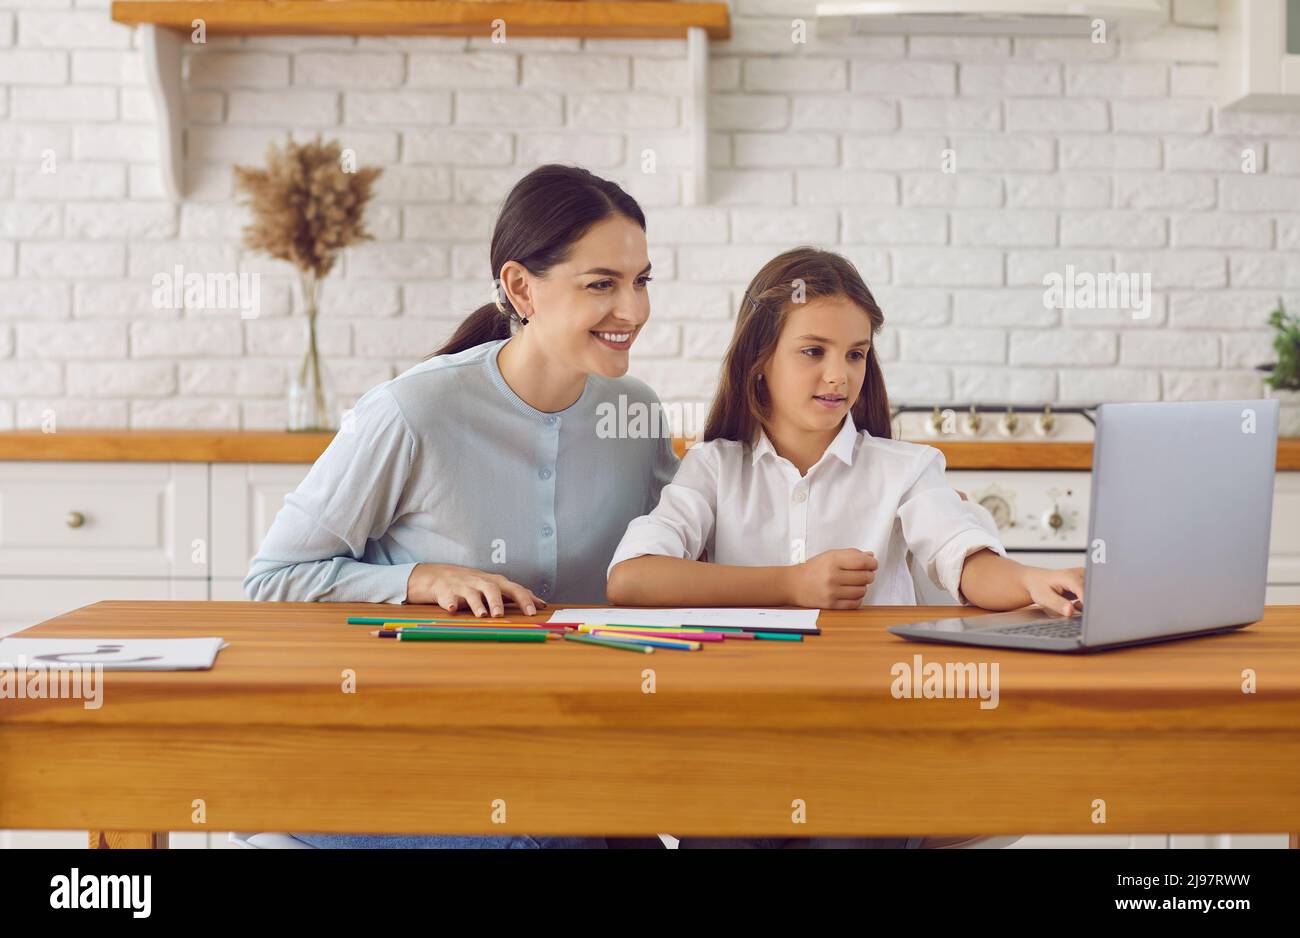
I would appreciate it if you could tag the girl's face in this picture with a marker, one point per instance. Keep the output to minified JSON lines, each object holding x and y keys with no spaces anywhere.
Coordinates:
{"x":587,"y":311}
{"x":820,"y":363}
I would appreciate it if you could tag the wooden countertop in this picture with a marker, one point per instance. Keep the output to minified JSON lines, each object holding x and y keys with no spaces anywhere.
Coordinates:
{"x":278,"y":446}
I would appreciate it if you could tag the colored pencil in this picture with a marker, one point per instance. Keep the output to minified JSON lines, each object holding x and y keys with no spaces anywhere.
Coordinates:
{"x":467,"y":635}
{"x":398,"y":633}
{"x":731,"y":631}
{"x":656,"y":633}
{"x":463,"y":624}
{"x":707,"y":634}
{"x":673,"y":643}
{"x":625,"y":646}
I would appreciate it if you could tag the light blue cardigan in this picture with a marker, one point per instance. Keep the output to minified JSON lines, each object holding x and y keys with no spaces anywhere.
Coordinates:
{"x":446,"y":464}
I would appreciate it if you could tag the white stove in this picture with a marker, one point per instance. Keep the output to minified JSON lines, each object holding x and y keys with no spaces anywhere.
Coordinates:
{"x":1042,"y":515}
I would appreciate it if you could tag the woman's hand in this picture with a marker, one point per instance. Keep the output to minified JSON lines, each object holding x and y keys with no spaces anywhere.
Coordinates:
{"x":1047,"y":587}
{"x":449,"y":586}
{"x":834,"y":579}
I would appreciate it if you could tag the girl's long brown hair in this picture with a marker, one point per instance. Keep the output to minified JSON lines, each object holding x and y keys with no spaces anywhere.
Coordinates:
{"x":742,"y":405}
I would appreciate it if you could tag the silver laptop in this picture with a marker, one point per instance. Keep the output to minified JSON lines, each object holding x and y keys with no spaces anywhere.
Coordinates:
{"x":1182,"y":503}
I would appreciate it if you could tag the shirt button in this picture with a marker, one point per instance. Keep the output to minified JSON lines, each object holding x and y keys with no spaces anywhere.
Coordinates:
{"x":547,"y":530}
{"x":553,"y":420}
{"x":800,"y":496}
{"x":544,"y":474}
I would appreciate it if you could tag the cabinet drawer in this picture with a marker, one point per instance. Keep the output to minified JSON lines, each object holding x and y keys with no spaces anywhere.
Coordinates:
{"x":100,"y":518}
{"x":245,"y":500}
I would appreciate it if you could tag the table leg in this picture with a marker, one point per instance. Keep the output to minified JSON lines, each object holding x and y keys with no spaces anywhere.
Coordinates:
{"x":128,"y":840}
{"x":1295,"y":841}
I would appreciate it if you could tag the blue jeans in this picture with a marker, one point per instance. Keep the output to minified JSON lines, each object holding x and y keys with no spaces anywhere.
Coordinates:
{"x":447,"y":842}
{"x":811,"y":843}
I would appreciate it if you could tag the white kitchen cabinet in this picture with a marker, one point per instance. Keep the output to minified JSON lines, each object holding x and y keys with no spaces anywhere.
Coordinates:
{"x":1284,"y":541}
{"x":245,"y":500}
{"x":104,"y":519}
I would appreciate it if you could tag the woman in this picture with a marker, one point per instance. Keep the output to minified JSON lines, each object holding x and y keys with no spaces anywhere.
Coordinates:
{"x":481,"y":478}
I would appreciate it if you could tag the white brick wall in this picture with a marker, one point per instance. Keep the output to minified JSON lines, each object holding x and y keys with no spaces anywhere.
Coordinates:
{"x":1102,"y":157}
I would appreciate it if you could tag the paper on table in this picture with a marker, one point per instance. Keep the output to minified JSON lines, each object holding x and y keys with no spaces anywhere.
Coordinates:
{"x":114,"y":654}
{"x":759,"y":620}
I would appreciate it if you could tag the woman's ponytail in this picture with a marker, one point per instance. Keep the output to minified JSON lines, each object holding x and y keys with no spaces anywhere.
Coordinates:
{"x":485,"y":324}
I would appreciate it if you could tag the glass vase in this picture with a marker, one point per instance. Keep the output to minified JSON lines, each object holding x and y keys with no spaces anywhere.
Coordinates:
{"x":311,"y":392}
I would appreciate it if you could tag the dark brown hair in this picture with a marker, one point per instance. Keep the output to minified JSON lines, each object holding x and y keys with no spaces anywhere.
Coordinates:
{"x":545,"y":213}
{"x":742,"y":405}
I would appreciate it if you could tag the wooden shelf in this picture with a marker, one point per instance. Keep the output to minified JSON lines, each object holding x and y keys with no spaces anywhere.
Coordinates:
{"x":165,"y":27}
{"x":597,"y":19}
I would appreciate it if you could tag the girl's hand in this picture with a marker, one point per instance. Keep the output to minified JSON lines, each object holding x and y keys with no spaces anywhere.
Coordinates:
{"x":1047,"y":587}
{"x":449,"y":586}
{"x":834,"y":579}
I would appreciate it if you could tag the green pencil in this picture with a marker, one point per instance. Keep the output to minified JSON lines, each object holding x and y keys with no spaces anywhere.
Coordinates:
{"x":384,"y":620}
{"x":477,"y":635}
{"x":607,"y":643}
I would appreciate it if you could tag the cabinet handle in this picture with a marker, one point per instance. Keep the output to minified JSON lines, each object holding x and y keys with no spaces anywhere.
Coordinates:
{"x":75,"y":519}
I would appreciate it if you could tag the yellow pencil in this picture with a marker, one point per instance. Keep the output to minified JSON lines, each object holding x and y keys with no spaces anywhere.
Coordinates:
{"x":663,"y":640}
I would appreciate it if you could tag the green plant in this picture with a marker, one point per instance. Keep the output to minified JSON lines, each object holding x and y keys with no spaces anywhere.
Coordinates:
{"x":1284,"y":374}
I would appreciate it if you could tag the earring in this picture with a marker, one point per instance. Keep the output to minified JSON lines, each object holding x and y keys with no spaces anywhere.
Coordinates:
{"x":523,"y":320}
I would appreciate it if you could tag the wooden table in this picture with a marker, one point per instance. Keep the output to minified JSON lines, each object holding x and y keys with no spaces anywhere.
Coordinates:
{"x":731,"y":742}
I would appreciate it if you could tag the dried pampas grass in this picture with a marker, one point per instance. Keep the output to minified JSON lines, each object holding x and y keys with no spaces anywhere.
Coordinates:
{"x":306,"y":208}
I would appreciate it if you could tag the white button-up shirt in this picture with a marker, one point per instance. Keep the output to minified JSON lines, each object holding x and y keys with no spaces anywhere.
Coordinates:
{"x":750,"y":507}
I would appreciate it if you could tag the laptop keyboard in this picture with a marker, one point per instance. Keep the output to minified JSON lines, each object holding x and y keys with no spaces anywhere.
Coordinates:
{"x":1066,"y":628}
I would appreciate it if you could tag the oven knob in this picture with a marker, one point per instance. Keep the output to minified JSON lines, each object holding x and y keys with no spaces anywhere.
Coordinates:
{"x":1053,"y":519}
{"x":1045,"y":423}
{"x":998,"y":507}
{"x":1009,"y":423}
{"x":935,"y":422}
{"x":971,"y":425}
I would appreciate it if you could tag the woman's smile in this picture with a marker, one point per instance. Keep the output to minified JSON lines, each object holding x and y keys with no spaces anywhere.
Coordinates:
{"x":619,"y":341}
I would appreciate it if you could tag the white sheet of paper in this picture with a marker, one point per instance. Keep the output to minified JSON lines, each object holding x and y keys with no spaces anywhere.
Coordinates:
{"x":115,"y":654}
{"x":775,"y":620}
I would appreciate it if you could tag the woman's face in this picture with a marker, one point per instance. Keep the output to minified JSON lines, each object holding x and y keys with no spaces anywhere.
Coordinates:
{"x":819,"y":365}
{"x":587,"y":311}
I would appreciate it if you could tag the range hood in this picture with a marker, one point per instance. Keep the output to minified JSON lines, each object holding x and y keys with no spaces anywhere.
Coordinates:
{"x":969,"y":17}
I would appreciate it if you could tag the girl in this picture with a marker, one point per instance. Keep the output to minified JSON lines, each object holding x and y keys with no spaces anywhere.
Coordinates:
{"x":797,"y":493}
